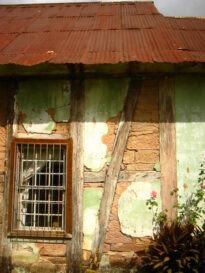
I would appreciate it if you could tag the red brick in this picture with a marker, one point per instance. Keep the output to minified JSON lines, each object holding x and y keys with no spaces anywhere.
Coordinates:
{"x":140,"y":167}
{"x":144,"y":141}
{"x":115,"y":236}
{"x":147,"y":156}
{"x":52,"y":250}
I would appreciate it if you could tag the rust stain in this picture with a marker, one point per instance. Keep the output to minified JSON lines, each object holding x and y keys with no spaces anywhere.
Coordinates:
{"x":51,"y":112}
{"x":187,"y":170}
{"x":21,"y":117}
{"x":185,"y":186}
{"x":109,"y":139}
{"x":98,"y":33}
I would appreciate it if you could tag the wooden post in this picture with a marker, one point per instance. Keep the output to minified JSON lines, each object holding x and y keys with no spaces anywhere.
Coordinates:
{"x":114,"y":169}
{"x":9,"y":87}
{"x":77,"y":134}
{"x":167,"y":145}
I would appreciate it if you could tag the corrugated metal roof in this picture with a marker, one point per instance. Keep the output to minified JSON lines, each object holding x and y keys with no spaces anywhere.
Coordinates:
{"x":98,"y":33}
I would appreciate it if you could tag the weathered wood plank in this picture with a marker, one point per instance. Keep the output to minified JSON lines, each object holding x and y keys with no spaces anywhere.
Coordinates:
{"x":124,"y":176}
{"x":77,"y":134}
{"x":114,"y":167}
{"x":9,"y":88}
{"x":167,"y":145}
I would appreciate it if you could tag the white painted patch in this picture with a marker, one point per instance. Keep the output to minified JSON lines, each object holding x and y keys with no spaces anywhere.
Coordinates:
{"x":95,"y":149}
{"x":41,"y":124}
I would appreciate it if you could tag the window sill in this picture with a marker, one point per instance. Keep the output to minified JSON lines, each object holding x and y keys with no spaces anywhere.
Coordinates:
{"x":40,"y":235}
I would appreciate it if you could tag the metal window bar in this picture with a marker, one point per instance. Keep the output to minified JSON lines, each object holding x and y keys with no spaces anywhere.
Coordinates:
{"x":40,"y":186}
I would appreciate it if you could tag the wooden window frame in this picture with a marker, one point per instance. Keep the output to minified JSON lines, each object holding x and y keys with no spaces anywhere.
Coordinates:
{"x":42,"y":234}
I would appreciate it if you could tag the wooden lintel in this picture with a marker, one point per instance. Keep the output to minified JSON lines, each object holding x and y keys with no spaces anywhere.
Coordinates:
{"x":124,"y":176}
{"x":114,"y":168}
{"x":167,"y":145}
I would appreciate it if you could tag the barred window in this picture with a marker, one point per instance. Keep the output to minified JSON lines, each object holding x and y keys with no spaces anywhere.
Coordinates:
{"x":40,"y":188}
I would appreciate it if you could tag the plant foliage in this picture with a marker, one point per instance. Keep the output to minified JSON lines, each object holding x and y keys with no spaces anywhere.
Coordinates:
{"x":179,"y":245}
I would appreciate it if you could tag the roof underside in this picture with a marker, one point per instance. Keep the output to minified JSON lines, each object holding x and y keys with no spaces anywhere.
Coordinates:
{"x":97,"y":33}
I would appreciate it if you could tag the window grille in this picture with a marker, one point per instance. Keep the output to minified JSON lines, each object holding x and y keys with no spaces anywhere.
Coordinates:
{"x":40,"y":199}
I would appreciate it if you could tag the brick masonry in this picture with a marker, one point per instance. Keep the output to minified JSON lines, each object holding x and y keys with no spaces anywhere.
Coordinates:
{"x":141,"y":154}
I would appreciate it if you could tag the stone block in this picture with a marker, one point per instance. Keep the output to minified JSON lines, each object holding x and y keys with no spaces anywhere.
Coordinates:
{"x":56,"y":260}
{"x":52,"y":250}
{"x":143,"y":142}
{"x":119,"y":247}
{"x":115,"y":236}
{"x":129,"y":157}
{"x":147,"y":156}
{"x":140,"y":167}
{"x":117,"y":260}
{"x":43,"y":267}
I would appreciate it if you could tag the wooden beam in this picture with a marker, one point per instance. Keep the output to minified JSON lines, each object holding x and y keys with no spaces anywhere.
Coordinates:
{"x":167,"y":145}
{"x":114,"y":168}
{"x":8,"y":88}
{"x":77,"y":134}
{"x":124,"y":176}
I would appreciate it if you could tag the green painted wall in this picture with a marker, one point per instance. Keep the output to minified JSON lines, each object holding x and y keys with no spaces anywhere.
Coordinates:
{"x":190,"y":129}
{"x":134,"y":215}
{"x":43,"y":103}
{"x":91,"y":204}
{"x":103,"y":99}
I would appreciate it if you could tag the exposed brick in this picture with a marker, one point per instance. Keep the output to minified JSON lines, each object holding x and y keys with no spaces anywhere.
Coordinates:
{"x":140,"y":167}
{"x":129,"y":157}
{"x":143,"y":115}
{"x":115,"y":236}
{"x":121,"y":187}
{"x":56,"y":260}
{"x":114,"y":225}
{"x":52,"y":250}
{"x":147,"y":156}
{"x":106,"y":248}
{"x":144,"y":126}
{"x":119,"y":247}
{"x":144,"y":141}
{"x":117,"y":260}
{"x":109,"y":141}
{"x":147,"y":106}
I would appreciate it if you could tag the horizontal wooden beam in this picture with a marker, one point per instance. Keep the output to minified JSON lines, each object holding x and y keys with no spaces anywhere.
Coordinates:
{"x":124,"y":176}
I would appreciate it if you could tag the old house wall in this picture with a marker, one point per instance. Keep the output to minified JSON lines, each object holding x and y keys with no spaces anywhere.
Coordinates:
{"x":190,"y":130}
{"x":42,"y":110}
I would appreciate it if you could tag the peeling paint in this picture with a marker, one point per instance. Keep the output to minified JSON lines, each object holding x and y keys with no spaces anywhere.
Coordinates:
{"x":42,"y":103}
{"x":24,"y":253}
{"x":135,"y":217}
{"x":190,"y":130}
{"x":91,"y":204}
{"x":103,"y":99}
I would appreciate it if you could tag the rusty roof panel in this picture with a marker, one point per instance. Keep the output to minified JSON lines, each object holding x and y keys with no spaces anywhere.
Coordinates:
{"x":5,"y":39}
{"x":52,"y":24}
{"x":15,"y":25}
{"x":144,"y":21}
{"x":92,"y":33}
{"x":187,"y":23}
{"x":107,"y":22}
{"x":193,"y":40}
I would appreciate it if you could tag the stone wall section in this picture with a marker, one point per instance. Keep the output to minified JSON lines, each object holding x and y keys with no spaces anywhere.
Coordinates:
{"x":141,"y":154}
{"x":142,"y":151}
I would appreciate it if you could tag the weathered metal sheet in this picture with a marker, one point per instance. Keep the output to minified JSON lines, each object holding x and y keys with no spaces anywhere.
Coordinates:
{"x":92,"y":33}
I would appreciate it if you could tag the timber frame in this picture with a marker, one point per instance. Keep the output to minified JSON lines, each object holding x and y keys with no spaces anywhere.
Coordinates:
{"x":113,"y":175}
